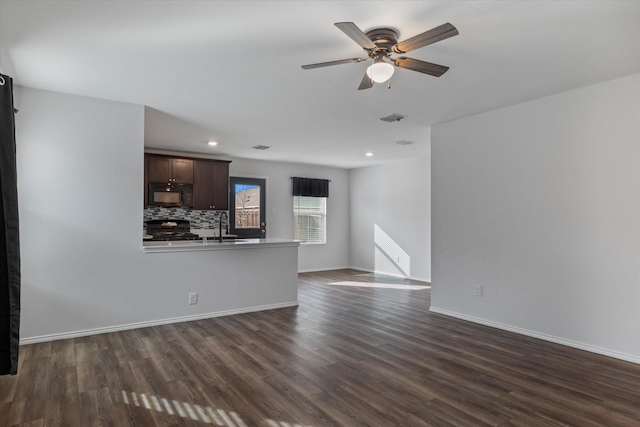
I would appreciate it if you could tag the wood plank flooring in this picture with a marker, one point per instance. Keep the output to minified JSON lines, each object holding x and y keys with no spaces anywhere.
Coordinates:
{"x":360,"y":350}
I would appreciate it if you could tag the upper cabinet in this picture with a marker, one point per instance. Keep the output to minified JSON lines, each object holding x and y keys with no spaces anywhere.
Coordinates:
{"x":211,"y":185}
{"x":210,"y":178}
{"x":170,"y":169}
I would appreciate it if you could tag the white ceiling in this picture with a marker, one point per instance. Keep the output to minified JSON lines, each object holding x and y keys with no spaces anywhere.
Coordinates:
{"x":230,"y":70}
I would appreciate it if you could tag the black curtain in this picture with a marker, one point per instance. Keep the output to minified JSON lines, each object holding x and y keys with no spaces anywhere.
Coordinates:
{"x":9,"y":236}
{"x":310,"y":187}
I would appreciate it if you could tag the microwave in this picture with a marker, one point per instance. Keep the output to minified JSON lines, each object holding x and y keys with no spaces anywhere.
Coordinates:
{"x":170,"y":194}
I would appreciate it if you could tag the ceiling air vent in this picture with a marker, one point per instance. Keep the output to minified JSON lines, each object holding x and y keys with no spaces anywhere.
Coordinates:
{"x":405,"y":142}
{"x":260,"y":147}
{"x":395,"y":117}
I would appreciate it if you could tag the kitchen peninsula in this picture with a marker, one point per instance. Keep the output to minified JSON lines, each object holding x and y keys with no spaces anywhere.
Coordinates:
{"x":229,"y":277}
{"x":186,"y":200}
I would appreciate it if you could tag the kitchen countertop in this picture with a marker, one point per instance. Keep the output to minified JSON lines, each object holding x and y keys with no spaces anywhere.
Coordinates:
{"x":214,"y":244}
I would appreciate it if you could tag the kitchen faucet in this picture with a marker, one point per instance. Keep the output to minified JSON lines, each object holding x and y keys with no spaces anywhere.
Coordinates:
{"x":220,"y":225}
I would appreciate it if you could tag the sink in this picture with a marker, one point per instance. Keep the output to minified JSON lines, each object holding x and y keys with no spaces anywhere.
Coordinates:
{"x":215,"y":240}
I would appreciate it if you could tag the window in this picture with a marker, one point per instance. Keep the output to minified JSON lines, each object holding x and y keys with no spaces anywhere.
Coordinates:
{"x":310,"y":209}
{"x":309,"y":219}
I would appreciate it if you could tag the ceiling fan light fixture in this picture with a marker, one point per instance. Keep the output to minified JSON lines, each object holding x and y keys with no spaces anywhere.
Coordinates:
{"x":380,"y":71}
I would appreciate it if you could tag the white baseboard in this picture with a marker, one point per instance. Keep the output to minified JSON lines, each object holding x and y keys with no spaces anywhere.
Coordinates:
{"x":96,"y":331}
{"x":419,"y":279}
{"x":313,"y":270}
{"x":534,"y":334}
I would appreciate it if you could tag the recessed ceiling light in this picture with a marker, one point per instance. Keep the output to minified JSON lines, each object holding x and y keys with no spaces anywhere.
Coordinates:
{"x":368,"y":154}
{"x":212,"y":143}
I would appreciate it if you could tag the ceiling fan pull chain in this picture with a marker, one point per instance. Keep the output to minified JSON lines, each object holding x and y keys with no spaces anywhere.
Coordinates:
{"x":389,"y":84}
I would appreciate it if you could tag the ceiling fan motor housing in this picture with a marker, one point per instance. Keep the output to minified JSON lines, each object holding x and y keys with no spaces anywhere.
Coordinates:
{"x":383,"y":38}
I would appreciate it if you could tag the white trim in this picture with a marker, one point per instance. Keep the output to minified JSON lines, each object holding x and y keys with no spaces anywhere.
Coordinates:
{"x":314,"y":270}
{"x":96,"y":331}
{"x":545,"y":337}
{"x":368,"y":270}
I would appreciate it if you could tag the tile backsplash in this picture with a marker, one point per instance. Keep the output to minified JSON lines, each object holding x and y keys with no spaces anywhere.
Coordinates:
{"x":198,"y":219}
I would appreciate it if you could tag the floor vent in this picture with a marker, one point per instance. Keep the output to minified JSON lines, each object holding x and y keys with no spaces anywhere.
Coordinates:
{"x":260,"y":147}
{"x":395,"y":117}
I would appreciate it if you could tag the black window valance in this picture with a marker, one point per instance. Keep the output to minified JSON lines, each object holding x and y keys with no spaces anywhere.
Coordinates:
{"x":310,"y":187}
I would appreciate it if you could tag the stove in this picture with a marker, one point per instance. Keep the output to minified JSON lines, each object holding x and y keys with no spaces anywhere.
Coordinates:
{"x":174,"y":236}
{"x":170,"y":230}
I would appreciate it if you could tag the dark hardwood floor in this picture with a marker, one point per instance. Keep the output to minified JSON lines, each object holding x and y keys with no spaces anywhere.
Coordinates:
{"x":359,"y":350}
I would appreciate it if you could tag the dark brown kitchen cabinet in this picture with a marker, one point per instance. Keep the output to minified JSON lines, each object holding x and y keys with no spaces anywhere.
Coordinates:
{"x":169,"y":169}
{"x":211,"y":185}
{"x":209,"y":177}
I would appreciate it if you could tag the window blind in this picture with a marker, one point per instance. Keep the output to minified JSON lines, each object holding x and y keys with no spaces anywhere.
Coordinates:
{"x":309,"y":219}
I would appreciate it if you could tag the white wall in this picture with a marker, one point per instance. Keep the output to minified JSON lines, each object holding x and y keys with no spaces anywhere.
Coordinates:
{"x":540,"y":204}
{"x":391,"y":219}
{"x":80,"y":175}
{"x":335,"y":253}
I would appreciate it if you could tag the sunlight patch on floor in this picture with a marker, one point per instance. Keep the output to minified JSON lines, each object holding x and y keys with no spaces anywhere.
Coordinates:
{"x":206,"y":414}
{"x":273,"y":423}
{"x":380,"y":285}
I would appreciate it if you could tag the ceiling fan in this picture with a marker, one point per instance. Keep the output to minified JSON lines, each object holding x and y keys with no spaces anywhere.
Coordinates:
{"x":381,"y":43}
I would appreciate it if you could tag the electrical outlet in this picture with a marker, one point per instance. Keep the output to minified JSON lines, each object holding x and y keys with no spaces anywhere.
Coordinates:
{"x":193,"y":298}
{"x":477,"y":290}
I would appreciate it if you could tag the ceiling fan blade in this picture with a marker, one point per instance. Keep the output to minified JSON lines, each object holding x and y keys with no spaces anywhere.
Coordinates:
{"x":356,"y":34}
{"x":421,"y":66}
{"x":366,"y":82}
{"x":338,"y":62}
{"x":436,"y":34}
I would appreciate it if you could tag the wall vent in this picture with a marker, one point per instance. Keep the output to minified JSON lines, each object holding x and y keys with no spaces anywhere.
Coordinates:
{"x":260,"y":147}
{"x":405,"y":142}
{"x":395,"y":117}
